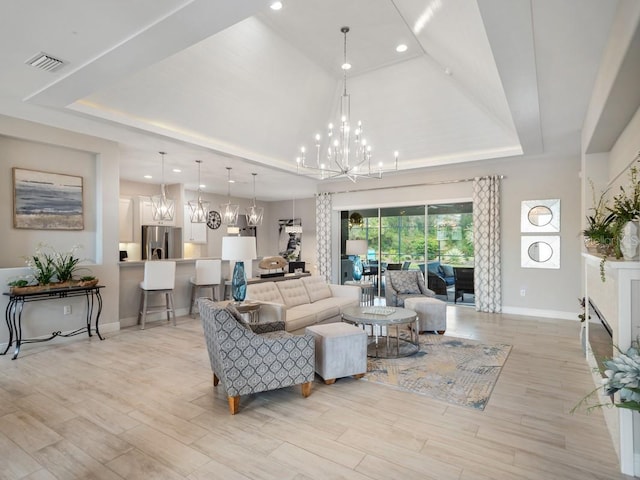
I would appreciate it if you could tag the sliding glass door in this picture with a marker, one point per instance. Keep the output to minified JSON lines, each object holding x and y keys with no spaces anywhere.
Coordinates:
{"x":410,"y":238}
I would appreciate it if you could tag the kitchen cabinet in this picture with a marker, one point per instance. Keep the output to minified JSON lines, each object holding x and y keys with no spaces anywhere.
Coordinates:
{"x":193,"y":232}
{"x":125,"y":218}
{"x":146,"y":214}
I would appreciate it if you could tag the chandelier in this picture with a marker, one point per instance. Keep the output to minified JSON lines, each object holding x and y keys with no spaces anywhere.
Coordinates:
{"x":199,"y":209}
{"x":162,"y":208}
{"x":347,"y":153}
{"x":254,"y":214}
{"x":229,"y":212}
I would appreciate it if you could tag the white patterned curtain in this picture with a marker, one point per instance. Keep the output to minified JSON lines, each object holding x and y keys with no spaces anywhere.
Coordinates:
{"x":323,"y":232}
{"x":486,"y":244}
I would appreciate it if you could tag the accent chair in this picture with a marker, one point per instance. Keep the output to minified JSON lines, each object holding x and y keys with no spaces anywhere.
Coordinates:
{"x":403,"y":284}
{"x":253,"y":358}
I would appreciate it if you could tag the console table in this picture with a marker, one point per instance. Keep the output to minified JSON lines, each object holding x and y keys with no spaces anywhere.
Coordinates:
{"x":13,"y":313}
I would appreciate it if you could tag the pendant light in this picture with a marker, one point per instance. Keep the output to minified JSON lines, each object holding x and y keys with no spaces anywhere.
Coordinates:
{"x":229,"y":212}
{"x":254,"y":214}
{"x":199,"y":209}
{"x":162,"y":208}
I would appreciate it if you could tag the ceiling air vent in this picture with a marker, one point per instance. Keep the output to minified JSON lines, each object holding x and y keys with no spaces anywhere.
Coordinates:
{"x":45,"y":62}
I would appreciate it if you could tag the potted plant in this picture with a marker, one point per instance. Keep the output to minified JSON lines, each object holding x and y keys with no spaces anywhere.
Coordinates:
{"x":52,"y":269}
{"x":17,"y":285}
{"x":626,"y":209}
{"x":599,"y":233}
{"x":622,"y":377}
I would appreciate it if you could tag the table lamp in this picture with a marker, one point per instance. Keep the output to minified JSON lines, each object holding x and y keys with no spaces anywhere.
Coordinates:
{"x":238,"y":249}
{"x":357,"y":248}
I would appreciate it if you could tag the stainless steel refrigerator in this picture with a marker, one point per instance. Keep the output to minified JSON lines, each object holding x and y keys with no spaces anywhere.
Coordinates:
{"x":161,"y":242}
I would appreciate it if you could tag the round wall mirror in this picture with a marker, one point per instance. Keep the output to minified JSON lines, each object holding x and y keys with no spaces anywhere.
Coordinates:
{"x":540,"y":252}
{"x":540,"y":216}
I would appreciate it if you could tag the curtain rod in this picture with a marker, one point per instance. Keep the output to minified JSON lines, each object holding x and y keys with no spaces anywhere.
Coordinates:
{"x":427,"y":184}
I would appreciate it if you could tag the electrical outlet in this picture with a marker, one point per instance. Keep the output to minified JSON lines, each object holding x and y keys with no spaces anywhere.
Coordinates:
{"x":67,"y":309}
{"x":523,"y":292}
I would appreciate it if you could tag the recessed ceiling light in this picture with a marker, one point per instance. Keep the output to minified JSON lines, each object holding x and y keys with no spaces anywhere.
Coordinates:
{"x":203,"y":186}
{"x":346,"y":66}
{"x":177,"y":170}
{"x":401,"y":48}
{"x":231,"y":181}
{"x":276,"y":6}
{"x":148,"y":176}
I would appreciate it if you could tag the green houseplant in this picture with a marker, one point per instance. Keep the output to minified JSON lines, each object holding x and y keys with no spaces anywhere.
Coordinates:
{"x":625,"y":209}
{"x":52,"y":269}
{"x":599,"y":233}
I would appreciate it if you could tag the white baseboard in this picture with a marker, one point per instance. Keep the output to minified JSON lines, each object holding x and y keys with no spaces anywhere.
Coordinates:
{"x":109,"y":327}
{"x":535,"y":312}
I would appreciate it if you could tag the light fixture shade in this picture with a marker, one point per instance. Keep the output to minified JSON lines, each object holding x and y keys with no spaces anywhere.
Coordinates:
{"x":254,"y":216}
{"x":238,"y":248}
{"x":357,"y":247}
{"x":162,"y":208}
{"x":233,"y":230}
{"x":199,"y":209}
{"x":229,"y":213}
{"x":254,"y":213}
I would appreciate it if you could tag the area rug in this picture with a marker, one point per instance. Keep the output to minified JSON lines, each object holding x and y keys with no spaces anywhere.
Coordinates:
{"x":454,"y":370}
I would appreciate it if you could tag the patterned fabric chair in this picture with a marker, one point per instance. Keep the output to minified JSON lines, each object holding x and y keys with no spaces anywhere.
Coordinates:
{"x":403,"y":284}
{"x":254,"y":358}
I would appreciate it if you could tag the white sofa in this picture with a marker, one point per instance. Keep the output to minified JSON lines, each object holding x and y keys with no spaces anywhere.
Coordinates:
{"x":302,"y":302}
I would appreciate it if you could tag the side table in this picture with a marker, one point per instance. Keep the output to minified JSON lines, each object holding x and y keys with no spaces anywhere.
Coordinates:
{"x":251,"y":309}
{"x":368,"y":291}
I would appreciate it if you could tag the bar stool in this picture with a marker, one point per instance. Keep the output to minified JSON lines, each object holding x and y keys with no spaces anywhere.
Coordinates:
{"x":159,"y":277}
{"x":208,"y":275}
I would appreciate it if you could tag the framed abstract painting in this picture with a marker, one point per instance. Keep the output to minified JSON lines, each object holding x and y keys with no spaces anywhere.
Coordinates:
{"x":47,"y":201}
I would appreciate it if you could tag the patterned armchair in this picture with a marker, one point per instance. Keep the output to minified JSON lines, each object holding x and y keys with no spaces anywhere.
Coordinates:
{"x":403,"y":284}
{"x":251,"y":360}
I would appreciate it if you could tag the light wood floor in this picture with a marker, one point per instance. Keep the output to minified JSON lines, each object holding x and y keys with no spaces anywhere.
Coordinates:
{"x":140,"y":405}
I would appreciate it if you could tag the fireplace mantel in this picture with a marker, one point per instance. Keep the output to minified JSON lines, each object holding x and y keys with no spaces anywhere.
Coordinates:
{"x":618,"y":298}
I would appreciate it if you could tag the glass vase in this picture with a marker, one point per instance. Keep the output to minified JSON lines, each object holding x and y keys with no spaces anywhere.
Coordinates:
{"x":357,"y":269}
{"x":239,"y":282}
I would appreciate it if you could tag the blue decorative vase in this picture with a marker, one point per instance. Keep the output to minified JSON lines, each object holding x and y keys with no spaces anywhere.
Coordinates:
{"x":357,"y":269}
{"x":239,"y":283}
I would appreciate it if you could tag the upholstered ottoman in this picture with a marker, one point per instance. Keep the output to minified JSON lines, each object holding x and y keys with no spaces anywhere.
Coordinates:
{"x":432,"y":313}
{"x":341,"y":350}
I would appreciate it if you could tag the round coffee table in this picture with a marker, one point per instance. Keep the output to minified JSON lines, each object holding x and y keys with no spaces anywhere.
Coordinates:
{"x":381,"y":323}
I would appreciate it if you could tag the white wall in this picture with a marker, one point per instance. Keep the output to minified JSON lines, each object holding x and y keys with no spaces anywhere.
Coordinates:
{"x":549,"y":292}
{"x":30,"y":145}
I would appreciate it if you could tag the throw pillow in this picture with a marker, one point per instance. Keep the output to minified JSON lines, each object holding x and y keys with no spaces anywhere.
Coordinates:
{"x":434,"y":267}
{"x":405,"y":284}
{"x":447,"y":270}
